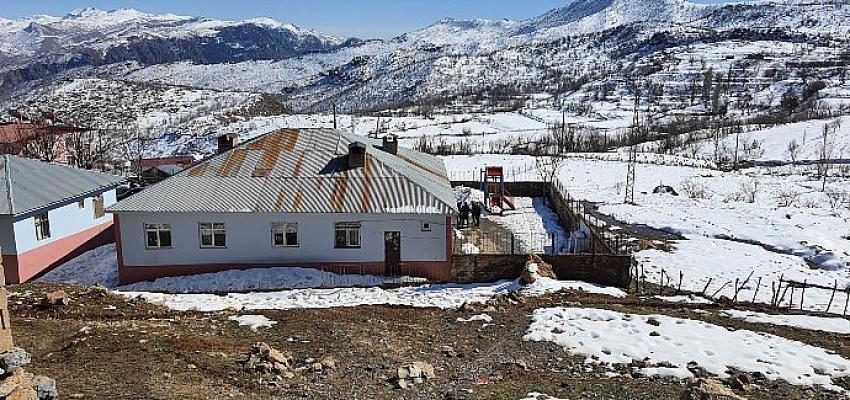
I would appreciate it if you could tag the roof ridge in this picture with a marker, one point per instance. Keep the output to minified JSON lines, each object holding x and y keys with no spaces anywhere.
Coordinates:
{"x":8,"y":172}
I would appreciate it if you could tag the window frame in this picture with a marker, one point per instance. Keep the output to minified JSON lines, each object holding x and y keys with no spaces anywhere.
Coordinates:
{"x":427,"y":226}
{"x":158,"y":228}
{"x":81,"y":204}
{"x":213,"y":229}
{"x":282,"y":227}
{"x":349,"y":228}
{"x":42,"y":226}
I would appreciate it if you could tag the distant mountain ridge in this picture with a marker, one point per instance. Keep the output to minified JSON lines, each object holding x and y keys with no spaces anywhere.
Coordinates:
{"x":37,"y":47}
{"x":586,"y":48}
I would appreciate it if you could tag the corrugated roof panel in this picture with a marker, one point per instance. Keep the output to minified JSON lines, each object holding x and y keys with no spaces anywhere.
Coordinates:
{"x":303,"y":171}
{"x":29,"y":185}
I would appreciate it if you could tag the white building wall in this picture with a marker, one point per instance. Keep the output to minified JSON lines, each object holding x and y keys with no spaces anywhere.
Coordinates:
{"x":249,"y":239}
{"x":65,"y":220}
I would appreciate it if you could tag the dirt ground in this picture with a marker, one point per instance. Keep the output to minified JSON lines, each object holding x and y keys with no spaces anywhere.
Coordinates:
{"x":108,"y":347}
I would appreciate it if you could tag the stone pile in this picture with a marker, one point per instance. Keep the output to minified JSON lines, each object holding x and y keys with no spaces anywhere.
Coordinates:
{"x":535,"y":267}
{"x":413,"y":373}
{"x":17,"y":384}
{"x":264,"y":359}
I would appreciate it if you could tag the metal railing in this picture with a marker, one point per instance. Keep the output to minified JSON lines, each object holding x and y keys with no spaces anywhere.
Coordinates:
{"x":615,"y":242}
{"x":508,"y":243}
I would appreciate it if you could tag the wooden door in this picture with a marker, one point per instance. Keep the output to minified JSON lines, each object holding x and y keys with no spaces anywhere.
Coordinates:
{"x":392,"y":253}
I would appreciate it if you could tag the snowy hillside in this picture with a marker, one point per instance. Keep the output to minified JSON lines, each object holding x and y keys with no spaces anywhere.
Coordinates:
{"x":34,"y":48}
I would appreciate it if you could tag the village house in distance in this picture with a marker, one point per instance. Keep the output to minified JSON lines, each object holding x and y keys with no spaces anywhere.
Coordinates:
{"x":305,"y":198}
{"x":49,"y":214}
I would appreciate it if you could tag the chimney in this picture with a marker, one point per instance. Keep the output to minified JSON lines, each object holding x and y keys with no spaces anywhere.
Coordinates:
{"x":227,"y":142}
{"x":390,"y":144}
{"x":356,"y":155}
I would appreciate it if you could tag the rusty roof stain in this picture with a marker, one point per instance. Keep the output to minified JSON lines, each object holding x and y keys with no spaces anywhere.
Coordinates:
{"x":305,"y":171}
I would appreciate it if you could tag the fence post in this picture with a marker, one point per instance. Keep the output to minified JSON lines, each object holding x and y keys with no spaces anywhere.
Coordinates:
{"x":553,"y":244}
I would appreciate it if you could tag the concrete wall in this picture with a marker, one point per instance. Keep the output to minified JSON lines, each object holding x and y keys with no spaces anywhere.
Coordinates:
{"x":249,"y":239}
{"x":606,"y":270}
{"x":518,"y":189}
{"x":66,"y":220}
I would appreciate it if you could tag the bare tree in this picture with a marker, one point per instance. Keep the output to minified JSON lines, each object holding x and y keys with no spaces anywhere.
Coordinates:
{"x":547,"y":169}
{"x":793,"y":150}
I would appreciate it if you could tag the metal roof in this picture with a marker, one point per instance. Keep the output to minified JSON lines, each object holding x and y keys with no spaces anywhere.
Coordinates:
{"x":29,"y":185}
{"x":303,"y":171}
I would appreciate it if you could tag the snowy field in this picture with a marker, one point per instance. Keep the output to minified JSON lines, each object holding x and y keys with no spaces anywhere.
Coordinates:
{"x":735,"y":224}
{"x":307,"y":288}
{"x":611,"y":338}
{"x":100,"y":266}
{"x":442,"y":296}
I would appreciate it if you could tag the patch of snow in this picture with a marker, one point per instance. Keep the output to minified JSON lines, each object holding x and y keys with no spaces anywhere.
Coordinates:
{"x":685,"y":299}
{"x":101,"y":266}
{"x":540,"y":396}
{"x":479,"y":317}
{"x":826,"y":324}
{"x":610,"y":337}
{"x":255,"y":322}
{"x":544,"y":285}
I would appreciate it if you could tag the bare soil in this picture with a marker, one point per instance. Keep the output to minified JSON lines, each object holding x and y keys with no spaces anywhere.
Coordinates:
{"x":109,"y":347}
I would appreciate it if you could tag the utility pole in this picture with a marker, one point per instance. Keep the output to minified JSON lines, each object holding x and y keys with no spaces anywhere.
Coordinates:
{"x":334,"y":116}
{"x":630,"y":176}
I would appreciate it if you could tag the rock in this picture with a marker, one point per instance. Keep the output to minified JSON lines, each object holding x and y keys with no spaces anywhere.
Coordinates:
{"x":329,"y":362}
{"x":708,"y":389}
{"x":57,"y":298}
{"x":14,"y":381}
{"x":449,"y":351}
{"x":23,"y":394}
{"x":427,"y":370}
{"x":402,"y":384}
{"x":534,"y":268}
{"x":654,"y":333}
{"x":416,"y":372}
{"x":97,"y":290}
{"x":14,"y":359}
{"x":46,"y":388}
{"x":316,"y":367}
{"x":652,"y":321}
{"x":263,"y":358}
{"x":521,"y":363}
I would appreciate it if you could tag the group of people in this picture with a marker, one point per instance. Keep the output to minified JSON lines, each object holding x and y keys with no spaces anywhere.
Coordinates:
{"x":464,"y":212}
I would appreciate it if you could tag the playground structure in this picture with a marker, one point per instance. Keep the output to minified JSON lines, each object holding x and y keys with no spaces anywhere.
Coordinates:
{"x":496,"y":197}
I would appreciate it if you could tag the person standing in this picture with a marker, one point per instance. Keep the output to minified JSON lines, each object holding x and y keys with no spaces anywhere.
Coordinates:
{"x":464,"y":215}
{"x":476,"y":213}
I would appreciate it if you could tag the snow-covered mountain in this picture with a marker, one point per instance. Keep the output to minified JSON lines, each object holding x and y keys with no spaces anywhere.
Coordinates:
{"x":692,"y":58}
{"x":37,"y":47}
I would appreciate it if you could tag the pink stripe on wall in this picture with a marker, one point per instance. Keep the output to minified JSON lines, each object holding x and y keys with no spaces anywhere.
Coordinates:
{"x":33,"y":263}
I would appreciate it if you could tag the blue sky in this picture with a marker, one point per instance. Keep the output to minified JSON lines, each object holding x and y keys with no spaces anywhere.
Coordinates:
{"x":361,"y":18}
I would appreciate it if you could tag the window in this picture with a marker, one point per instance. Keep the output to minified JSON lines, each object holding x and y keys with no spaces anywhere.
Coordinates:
{"x":42,"y":227}
{"x":213,"y":234}
{"x":158,"y":236}
{"x":97,"y":202}
{"x":426,"y":227}
{"x":347,"y":235}
{"x":284,"y":235}
{"x":81,"y":204}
